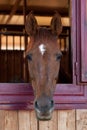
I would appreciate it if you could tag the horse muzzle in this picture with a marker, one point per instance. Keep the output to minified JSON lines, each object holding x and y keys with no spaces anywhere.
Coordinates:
{"x":44,"y":108}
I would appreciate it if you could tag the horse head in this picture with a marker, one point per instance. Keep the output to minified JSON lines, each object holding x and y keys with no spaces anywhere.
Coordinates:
{"x":44,"y":56}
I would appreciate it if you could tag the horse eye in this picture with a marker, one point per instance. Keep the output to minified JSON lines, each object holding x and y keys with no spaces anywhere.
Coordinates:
{"x":58,"y":56}
{"x":29,"y":57}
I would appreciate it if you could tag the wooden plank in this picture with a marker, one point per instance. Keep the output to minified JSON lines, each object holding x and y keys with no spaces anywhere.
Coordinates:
{"x":10,"y":66}
{"x":33,"y":121}
{"x":24,"y":120}
{"x":81,"y":119}
{"x":27,"y":120}
{"x":2,"y":120}
{"x":44,"y":125}
{"x":18,"y":65}
{"x":54,"y":121}
{"x":66,"y":120}
{"x":82,"y":15}
{"x":11,"y":120}
{"x":3,"y":66}
{"x":49,"y":125}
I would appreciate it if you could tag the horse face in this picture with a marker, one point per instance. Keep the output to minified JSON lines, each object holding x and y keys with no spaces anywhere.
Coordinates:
{"x":44,"y":57}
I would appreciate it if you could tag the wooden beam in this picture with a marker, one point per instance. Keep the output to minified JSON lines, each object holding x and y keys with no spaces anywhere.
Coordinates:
{"x":39,"y":11}
{"x":17,"y":2}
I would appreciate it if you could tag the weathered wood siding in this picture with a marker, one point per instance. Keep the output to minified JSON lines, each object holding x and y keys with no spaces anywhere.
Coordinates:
{"x":26,"y":120}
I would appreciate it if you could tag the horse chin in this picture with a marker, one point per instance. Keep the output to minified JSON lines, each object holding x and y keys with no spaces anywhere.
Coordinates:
{"x":44,"y":116}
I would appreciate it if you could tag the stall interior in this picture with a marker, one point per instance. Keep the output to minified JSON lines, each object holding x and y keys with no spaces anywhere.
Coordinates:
{"x":14,"y":40}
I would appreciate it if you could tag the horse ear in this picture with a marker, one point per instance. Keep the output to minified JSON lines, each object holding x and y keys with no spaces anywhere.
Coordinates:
{"x":56,"y":24}
{"x":31,"y":24}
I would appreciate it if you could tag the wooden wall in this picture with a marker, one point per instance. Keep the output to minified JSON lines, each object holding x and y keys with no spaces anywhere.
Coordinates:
{"x":11,"y":63}
{"x":26,"y":120}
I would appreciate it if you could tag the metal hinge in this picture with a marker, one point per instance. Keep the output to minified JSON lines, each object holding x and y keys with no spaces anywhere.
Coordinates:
{"x":76,"y":68}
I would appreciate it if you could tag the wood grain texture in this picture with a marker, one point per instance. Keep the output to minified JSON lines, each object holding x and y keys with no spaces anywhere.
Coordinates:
{"x":81,"y":119}
{"x":34,"y":121}
{"x":11,"y":120}
{"x":66,"y":120}
{"x":54,"y":121}
{"x":2,"y":118}
{"x":61,"y":120}
{"x":24,"y":120}
{"x":67,"y":96}
{"x":27,"y":120}
{"x":49,"y":125}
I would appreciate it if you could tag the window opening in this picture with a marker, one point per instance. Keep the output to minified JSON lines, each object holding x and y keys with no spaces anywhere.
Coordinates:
{"x":12,"y":58}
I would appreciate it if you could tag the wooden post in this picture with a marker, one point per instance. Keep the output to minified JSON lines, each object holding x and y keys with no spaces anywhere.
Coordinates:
{"x":0,"y":42}
{"x":25,"y":41}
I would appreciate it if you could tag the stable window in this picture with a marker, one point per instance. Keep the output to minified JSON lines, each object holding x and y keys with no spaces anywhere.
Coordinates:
{"x":69,"y":91}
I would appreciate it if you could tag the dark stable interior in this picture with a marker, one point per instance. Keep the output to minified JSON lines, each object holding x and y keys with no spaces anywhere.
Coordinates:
{"x":13,"y":64}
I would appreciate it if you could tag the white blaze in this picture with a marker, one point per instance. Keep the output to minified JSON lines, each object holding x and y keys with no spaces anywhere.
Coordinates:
{"x":42,"y":49}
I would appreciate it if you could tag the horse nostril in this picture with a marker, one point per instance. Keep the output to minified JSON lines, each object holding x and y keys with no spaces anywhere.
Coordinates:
{"x":52,"y":103}
{"x":36,"y":105}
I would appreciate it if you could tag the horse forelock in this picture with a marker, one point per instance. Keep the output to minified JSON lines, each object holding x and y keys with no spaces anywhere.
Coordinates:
{"x":44,"y":33}
{"x":42,"y":36}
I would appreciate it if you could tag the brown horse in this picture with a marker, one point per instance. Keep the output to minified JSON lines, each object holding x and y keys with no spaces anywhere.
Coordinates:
{"x":44,"y":56}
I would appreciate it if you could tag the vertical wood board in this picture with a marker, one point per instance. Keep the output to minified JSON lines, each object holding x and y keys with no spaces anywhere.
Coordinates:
{"x":11,"y":120}
{"x":81,"y":119}
{"x":27,"y":120}
{"x":66,"y":120}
